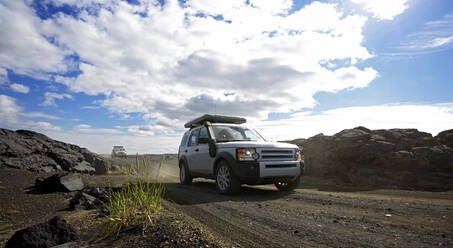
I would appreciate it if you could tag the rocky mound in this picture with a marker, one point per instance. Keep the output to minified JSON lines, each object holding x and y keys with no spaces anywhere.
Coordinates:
{"x":405,"y":158}
{"x":29,"y":150}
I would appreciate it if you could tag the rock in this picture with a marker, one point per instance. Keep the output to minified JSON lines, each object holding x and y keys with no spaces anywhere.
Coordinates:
{"x":59,"y":183}
{"x":99,"y":193}
{"x":33,"y":151}
{"x":405,"y":158}
{"x":72,"y":182}
{"x":84,"y":201}
{"x":445,"y":138}
{"x":54,"y":232}
{"x":84,"y":167}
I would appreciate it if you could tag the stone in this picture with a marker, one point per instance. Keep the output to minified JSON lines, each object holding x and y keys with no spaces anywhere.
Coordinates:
{"x":445,"y":138}
{"x":72,"y":182}
{"x":84,"y":201}
{"x":23,"y":149}
{"x":54,"y":232}
{"x":405,"y":158}
{"x":59,"y":183}
{"x":84,"y":167}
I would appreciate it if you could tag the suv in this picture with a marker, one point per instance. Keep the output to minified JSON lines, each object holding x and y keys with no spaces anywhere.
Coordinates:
{"x":119,"y":152}
{"x":222,"y":148}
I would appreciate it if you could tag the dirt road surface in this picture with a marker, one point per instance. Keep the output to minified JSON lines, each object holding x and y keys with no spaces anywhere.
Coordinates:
{"x":317,"y":216}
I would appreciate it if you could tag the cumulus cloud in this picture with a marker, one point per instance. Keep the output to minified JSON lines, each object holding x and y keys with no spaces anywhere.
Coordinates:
{"x":429,"y":118}
{"x":23,"y":46}
{"x":12,"y":116}
{"x":160,"y":60}
{"x":19,"y":88}
{"x":50,"y":98}
{"x":384,"y":9}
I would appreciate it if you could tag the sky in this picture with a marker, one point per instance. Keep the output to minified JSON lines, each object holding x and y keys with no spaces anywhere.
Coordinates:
{"x":103,"y":73}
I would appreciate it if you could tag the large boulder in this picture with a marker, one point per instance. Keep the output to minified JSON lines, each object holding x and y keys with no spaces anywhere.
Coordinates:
{"x":54,"y":232}
{"x":29,"y":150}
{"x":404,"y":158}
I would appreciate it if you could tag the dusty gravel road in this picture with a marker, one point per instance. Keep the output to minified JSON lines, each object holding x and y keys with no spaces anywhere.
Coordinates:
{"x":316,"y":216}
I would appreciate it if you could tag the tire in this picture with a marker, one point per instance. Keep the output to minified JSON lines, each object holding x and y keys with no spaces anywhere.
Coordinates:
{"x":225,"y":180}
{"x":184,"y":174}
{"x":287,"y":186}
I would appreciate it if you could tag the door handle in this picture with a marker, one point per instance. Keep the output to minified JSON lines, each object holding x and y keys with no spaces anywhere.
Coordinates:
{"x":185,"y":150}
{"x":197,"y":150}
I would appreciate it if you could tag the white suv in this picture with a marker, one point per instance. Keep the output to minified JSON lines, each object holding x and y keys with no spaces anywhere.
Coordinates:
{"x":221,"y":148}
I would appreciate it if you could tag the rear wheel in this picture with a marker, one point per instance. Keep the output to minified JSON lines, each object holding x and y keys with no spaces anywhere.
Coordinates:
{"x":225,"y":180}
{"x":287,"y":185}
{"x":184,"y":174}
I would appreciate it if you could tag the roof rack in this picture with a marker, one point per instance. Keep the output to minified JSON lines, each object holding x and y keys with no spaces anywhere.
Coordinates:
{"x":214,"y":119}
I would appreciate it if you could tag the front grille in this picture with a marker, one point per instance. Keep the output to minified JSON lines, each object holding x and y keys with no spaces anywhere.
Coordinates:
{"x":283,"y":154}
{"x":280,"y":165}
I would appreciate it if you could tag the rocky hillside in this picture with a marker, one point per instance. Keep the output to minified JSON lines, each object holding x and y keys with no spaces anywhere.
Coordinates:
{"x":29,"y":150}
{"x":405,"y":158}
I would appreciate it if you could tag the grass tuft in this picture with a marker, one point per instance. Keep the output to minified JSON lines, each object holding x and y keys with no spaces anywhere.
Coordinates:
{"x":136,"y":203}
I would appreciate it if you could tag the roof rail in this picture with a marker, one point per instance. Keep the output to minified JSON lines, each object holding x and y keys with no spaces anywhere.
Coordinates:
{"x":214,"y":119}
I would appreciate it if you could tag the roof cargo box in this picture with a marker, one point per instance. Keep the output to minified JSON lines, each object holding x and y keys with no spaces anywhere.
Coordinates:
{"x":214,"y":119}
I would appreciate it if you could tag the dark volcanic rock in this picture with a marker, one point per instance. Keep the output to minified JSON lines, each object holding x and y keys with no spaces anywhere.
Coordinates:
{"x":445,"y":138}
{"x":29,"y":150}
{"x":51,"y":233}
{"x":100,"y":193}
{"x":404,"y":158}
{"x":84,"y":201}
{"x":59,"y":183}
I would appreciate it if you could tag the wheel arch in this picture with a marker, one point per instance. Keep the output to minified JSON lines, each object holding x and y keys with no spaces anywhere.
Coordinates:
{"x":223,"y":156}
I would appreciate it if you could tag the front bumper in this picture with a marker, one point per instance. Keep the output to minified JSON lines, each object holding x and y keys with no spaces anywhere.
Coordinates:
{"x":254,"y":172}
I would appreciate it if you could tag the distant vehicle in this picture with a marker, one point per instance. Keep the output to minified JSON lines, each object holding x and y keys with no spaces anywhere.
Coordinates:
{"x":221,"y":148}
{"x":119,"y":152}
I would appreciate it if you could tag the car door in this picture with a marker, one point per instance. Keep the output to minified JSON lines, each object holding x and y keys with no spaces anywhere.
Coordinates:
{"x":192,"y":151}
{"x":204,"y":160}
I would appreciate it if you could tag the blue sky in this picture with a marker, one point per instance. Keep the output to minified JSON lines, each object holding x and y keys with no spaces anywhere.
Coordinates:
{"x":130,"y":73}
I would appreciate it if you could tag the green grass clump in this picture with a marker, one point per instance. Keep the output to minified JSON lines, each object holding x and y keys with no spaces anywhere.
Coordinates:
{"x":136,"y":203}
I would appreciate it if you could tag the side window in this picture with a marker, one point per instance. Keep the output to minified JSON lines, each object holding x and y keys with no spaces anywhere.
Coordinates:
{"x":184,"y":139}
{"x":193,"y":140}
{"x":203,"y":138}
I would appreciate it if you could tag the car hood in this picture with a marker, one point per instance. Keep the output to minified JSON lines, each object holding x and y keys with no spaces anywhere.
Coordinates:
{"x":254,"y":144}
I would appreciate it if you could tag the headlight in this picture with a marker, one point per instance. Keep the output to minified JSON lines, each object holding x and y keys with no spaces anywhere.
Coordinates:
{"x":298,"y":154}
{"x":245,"y":154}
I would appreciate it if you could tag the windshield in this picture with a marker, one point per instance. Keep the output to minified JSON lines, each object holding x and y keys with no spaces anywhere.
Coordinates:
{"x":235,"y":133}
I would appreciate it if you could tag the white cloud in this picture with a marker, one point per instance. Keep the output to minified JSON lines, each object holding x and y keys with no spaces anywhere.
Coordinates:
{"x":39,"y":115}
{"x":19,"y":88}
{"x":50,"y":98}
{"x":3,"y":75}
{"x":429,"y":118}
{"x":13,"y":117}
{"x":23,"y":47}
{"x":439,"y":41}
{"x":433,"y":36}
{"x":384,"y":9}
{"x":163,"y":61}
{"x":85,"y":128}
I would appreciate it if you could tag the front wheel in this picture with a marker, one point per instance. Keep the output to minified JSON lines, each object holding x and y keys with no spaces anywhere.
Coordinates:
{"x":287,"y":185}
{"x":184,"y":174}
{"x":225,"y":180}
